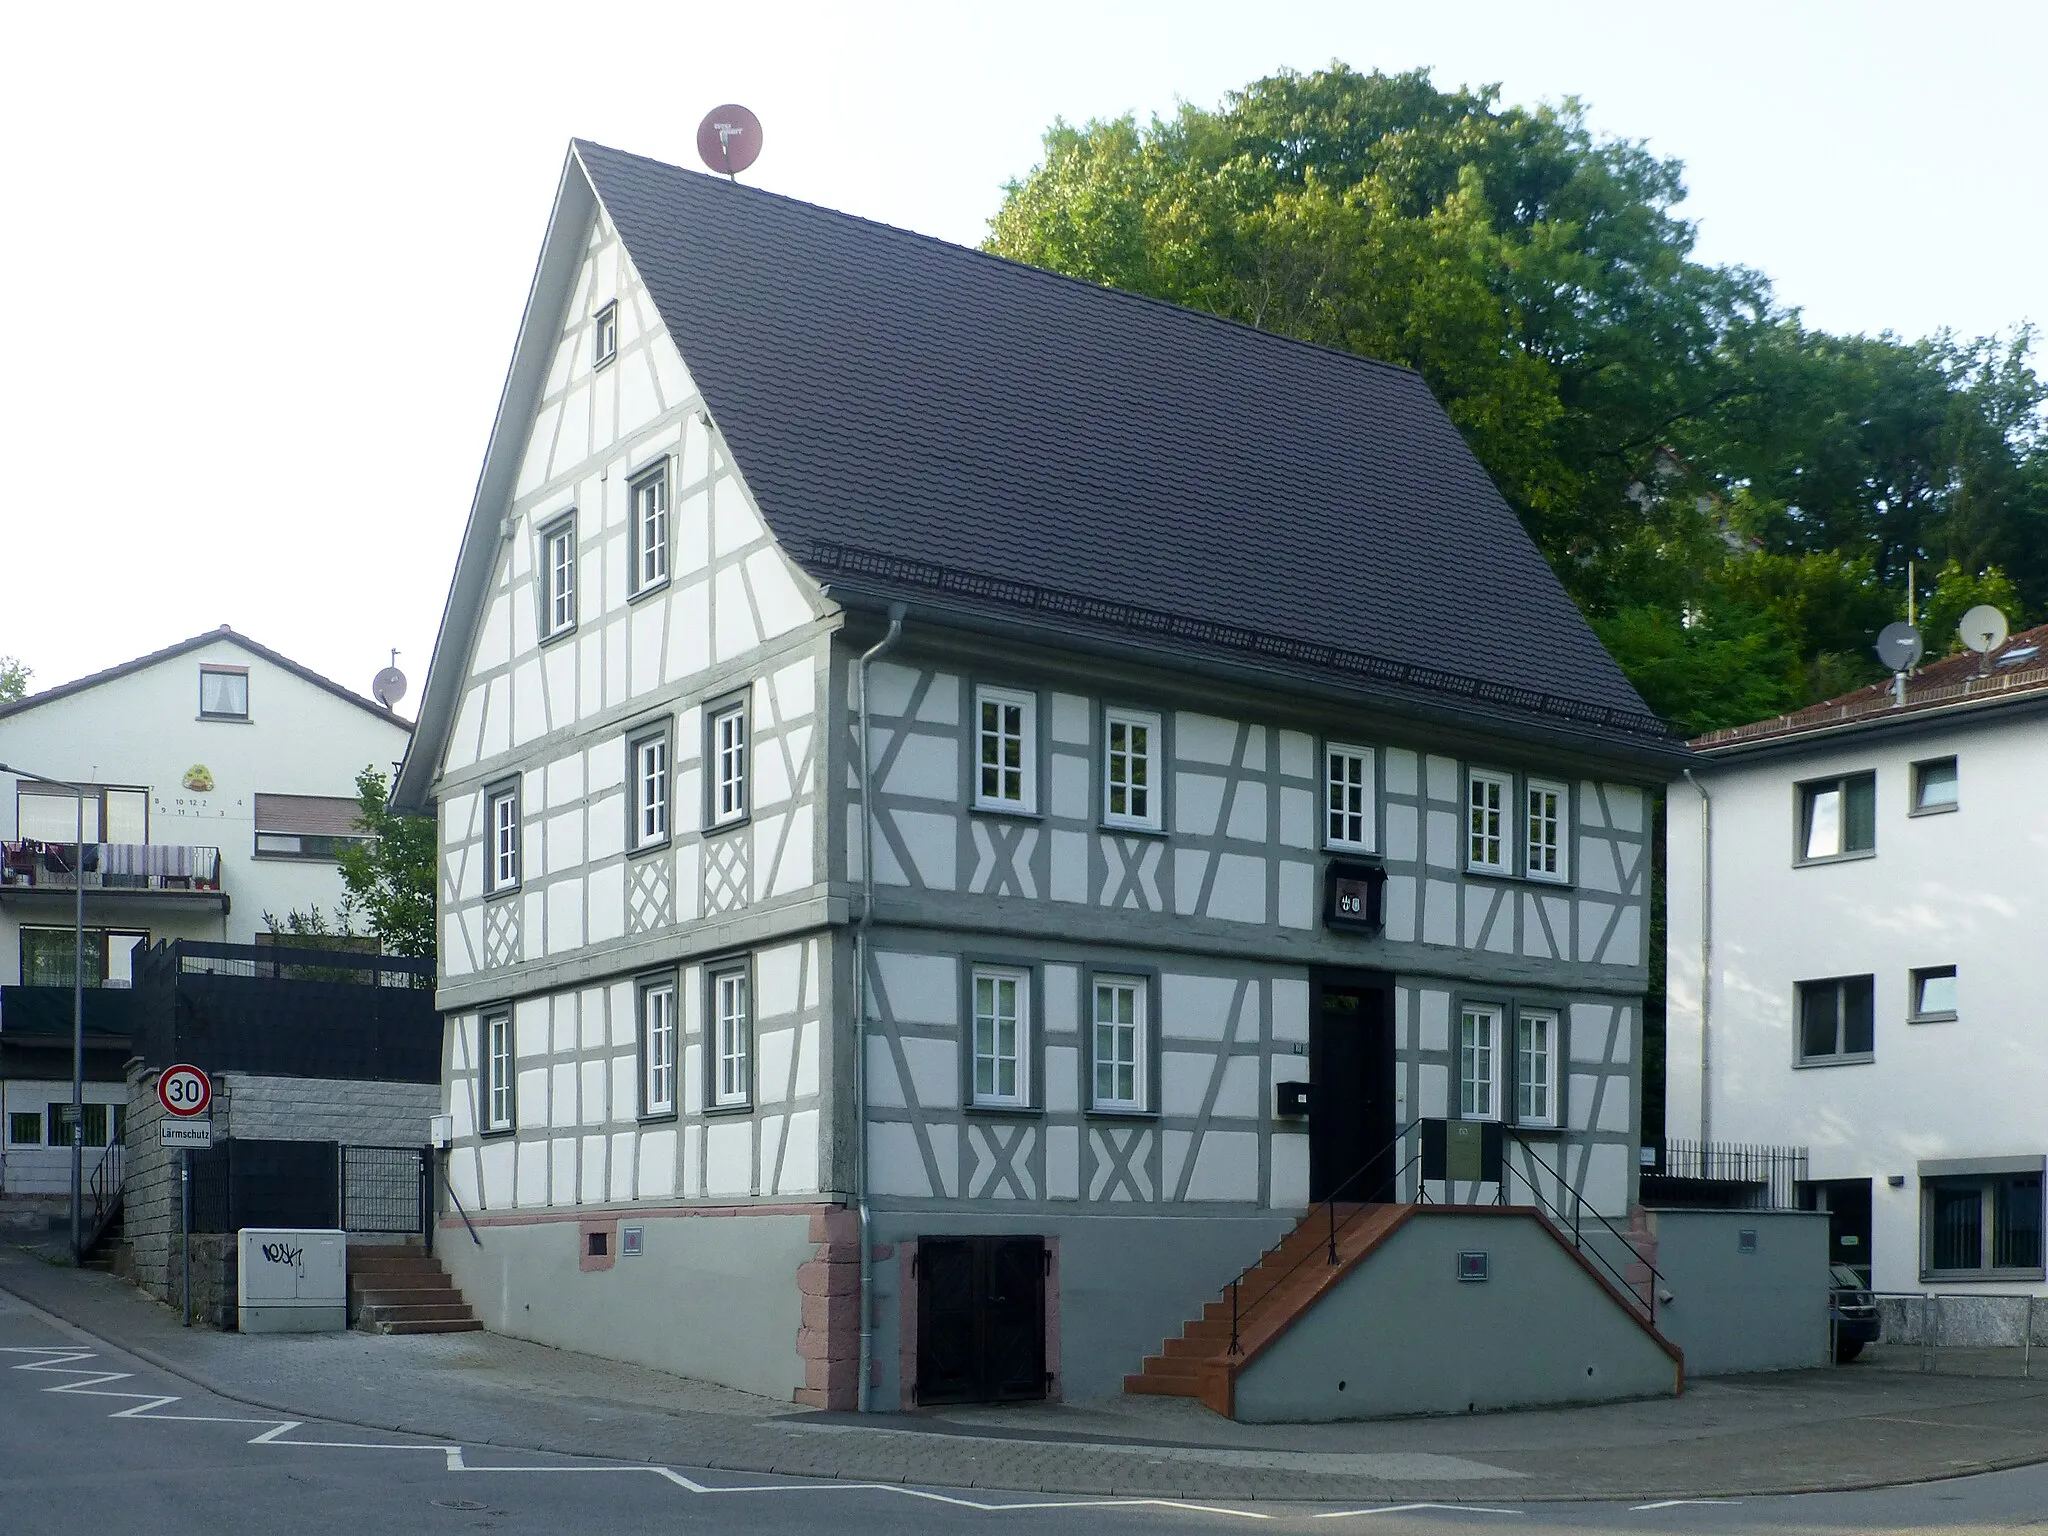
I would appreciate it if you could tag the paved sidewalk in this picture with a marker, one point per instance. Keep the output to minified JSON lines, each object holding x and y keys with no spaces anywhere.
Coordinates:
{"x":1793,"y":1432}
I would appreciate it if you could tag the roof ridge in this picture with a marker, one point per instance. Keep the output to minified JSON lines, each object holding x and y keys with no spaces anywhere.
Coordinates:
{"x":1185,"y":311}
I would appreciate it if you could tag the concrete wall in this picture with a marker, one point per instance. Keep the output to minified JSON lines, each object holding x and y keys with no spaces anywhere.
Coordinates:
{"x":1736,"y":1311}
{"x":1402,"y":1335}
{"x":714,"y":1294}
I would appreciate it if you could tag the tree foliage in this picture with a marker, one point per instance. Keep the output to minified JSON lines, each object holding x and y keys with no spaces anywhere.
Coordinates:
{"x":14,"y":676}
{"x":390,"y":876}
{"x":1733,"y":498}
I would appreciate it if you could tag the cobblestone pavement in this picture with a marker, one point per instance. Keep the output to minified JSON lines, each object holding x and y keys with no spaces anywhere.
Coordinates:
{"x":1732,"y":1436}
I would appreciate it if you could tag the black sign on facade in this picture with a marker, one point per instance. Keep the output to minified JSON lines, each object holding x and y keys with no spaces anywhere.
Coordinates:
{"x":1354,"y":896}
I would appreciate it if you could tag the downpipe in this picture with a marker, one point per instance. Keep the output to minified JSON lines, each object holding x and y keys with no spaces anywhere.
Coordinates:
{"x":860,"y":1017}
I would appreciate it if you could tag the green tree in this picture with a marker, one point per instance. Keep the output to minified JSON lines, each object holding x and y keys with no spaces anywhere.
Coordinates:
{"x":390,"y":875}
{"x":1956,"y":592}
{"x":14,"y":676}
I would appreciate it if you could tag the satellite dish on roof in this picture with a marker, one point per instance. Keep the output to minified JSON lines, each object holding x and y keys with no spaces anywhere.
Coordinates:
{"x":388,"y":686}
{"x":1983,"y":629}
{"x":1899,"y":646}
{"x":729,"y":139}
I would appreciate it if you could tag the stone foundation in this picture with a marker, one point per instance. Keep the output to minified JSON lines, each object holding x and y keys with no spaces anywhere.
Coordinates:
{"x":828,"y":1335}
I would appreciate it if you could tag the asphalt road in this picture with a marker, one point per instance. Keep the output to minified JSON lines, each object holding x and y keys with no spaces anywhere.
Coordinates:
{"x":91,"y":1438}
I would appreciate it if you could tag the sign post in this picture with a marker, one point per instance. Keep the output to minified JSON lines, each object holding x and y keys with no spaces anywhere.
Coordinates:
{"x":186,"y":1094}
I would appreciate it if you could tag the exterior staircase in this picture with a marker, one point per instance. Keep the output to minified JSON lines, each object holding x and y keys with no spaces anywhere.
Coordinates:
{"x":401,"y":1289}
{"x":1288,"y":1279}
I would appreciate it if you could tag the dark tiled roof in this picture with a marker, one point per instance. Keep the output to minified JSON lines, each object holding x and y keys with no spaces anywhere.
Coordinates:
{"x":1963,"y":681}
{"x":899,"y":404}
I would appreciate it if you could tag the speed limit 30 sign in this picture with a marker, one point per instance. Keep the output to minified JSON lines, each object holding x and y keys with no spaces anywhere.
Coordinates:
{"x":185,"y":1092}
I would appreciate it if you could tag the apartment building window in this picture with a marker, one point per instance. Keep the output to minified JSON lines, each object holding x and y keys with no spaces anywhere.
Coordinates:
{"x":1002,"y":999}
{"x":1119,"y":1045}
{"x":1546,"y":842}
{"x":1535,"y":1067}
{"x":498,"y":1072}
{"x":25,"y":1128}
{"x":1837,"y":817}
{"x":307,"y":826}
{"x":223,"y":693}
{"x":558,"y":578}
{"x":1006,"y":750}
{"x":650,"y":760}
{"x":732,"y":1039}
{"x":1933,"y":994}
{"x":1348,"y":814}
{"x":658,"y":1046}
{"x":1935,"y":786}
{"x":1486,"y":821}
{"x":1837,"y":1020}
{"x":95,"y":1123}
{"x":604,"y":335}
{"x":502,"y":855}
{"x":1479,"y":1062}
{"x":1130,"y":778}
{"x":48,"y":815}
{"x":650,"y":529}
{"x":728,"y":754}
{"x":1982,"y":1225}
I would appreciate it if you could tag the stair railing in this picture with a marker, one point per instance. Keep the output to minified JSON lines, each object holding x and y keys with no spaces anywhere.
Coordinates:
{"x":103,"y":1192}
{"x":1580,"y":1206}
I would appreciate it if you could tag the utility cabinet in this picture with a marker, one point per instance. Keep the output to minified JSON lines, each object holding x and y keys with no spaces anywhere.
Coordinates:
{"x":292,"y":1280}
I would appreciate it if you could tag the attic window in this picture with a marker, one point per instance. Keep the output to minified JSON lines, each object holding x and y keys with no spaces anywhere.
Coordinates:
{"x":2018,"y":654}
{"x":604,"y":343}
{"x":223,"y":693}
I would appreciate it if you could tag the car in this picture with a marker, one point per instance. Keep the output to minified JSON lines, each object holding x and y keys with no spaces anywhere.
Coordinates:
{"x":1853,"y":1311}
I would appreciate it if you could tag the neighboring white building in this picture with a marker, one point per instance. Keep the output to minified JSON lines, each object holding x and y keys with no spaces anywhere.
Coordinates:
{"x":1874,"y":907}
{"x":223,"y":778}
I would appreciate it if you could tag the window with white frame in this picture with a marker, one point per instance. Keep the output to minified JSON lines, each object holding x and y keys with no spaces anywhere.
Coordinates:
{"x":728,"y":751}
{"x":1130,"y":775}
{"x":1002,"y":1000}
{"x":498,"y":1072}
{"x":1479,"y":1062}
{"x":1486,"y":820}
{"x":1119,"y":1045}
{"x":502,"y":864}
{"x":558,"y":578}
{"x":658,"y":1046}
{"x":224,"y":693}
{"x":1006,"y":750}
{"x":1348,"y":813}
{"x":1535,"y":1067}
{"x":604,"y":335}
{"x":1547,"y":827}
{"x":650,"y":529}
{"x":650,"y":755}
{"x":732,"y":1039}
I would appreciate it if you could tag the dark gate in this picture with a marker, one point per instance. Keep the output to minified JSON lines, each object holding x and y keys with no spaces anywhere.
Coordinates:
{"x":980,"y":1319}
{"x":239,"y":1183}
{"x":384,"y":1189}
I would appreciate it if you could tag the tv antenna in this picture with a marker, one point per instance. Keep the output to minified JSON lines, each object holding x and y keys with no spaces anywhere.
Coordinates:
{"x":729,"y":139}
{"x":1899,"y":647}
{"x":388,"y":686}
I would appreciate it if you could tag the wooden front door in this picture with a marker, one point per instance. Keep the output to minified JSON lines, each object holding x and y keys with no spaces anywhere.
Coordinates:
{"x":980,"y":1319}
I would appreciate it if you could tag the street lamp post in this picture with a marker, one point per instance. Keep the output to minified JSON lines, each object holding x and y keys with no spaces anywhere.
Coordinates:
{"x":77,"y":1008}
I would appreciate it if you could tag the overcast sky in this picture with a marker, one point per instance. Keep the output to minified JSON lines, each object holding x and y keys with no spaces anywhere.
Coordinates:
{"x":268,"y":263}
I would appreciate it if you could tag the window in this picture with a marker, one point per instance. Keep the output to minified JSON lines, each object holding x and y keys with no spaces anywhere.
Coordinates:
{"x":502,"y":871}
{"x":1001,"y":1075}
{"x":729,"y":765}
{"x":650,"y":789}
{"x":1837,"y":817}
{"x":25,"y":1128}
{"x":224,"y":693}
{"x":1347,"y":798}
{"x":558,"y":579}
{"x":1130,"y":778}
{"x":60,"y":1122}
{"x":1535,"y":1068}
{"x":1006,"y":750}
{"x":1836,"y":1019}
{"x":1546,"y":845}
{"x":650,"y":529}
{"x":46,"y":814}
{"x":658,"y":1046}
{"x":46,"y":957}
{"x":307,"y":826}
{"x":1486,"y":816}
{"x":1479,"y":1062}
{"x":1934,"y":994}
{"x":1119,"y":1045}
{"x":1934,"y":786}
{"x":1981,"y":1224}
{"x":604,"y":335}
{"x":732,"y":1039}
{"x":498,"y":1072}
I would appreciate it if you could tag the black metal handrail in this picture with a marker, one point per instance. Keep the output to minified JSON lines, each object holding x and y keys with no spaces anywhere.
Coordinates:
{"x":103,"y":1189}
{"x":1580,"y":1206}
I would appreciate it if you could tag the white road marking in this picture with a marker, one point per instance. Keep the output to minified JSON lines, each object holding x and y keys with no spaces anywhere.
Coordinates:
{"x":93,"y":1382}
{"x":1674,"y":1503}
{"x":1404,"y":1509}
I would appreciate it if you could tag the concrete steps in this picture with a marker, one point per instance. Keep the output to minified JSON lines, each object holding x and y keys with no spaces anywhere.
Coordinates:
{"x":400,"y":1289}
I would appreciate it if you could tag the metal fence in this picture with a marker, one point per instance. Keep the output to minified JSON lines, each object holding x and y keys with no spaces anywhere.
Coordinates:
{"x":248,"y":1183}
{"x":1974,"y":1333}
{"x":384,"y":1189}
{"x":1769,"y":1177}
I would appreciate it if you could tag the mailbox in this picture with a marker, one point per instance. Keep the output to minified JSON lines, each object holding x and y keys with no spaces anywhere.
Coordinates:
{"x":1290,"y":1098}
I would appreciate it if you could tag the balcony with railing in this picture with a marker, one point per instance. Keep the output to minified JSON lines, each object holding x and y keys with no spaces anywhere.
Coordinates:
{"x":32,"y":871}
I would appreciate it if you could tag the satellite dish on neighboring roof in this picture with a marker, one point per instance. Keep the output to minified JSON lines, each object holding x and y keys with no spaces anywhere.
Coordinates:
{"x":1983,"y":629}
{"x":729,"y":139}
{"x":388,"y":686}
{"x":1899,"y":646}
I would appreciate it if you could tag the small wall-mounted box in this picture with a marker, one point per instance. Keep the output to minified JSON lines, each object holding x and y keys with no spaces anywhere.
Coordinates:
{"x":1474,"y":1266}
{"x":440,"y":1130}
{"x":1290,"y":1099}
